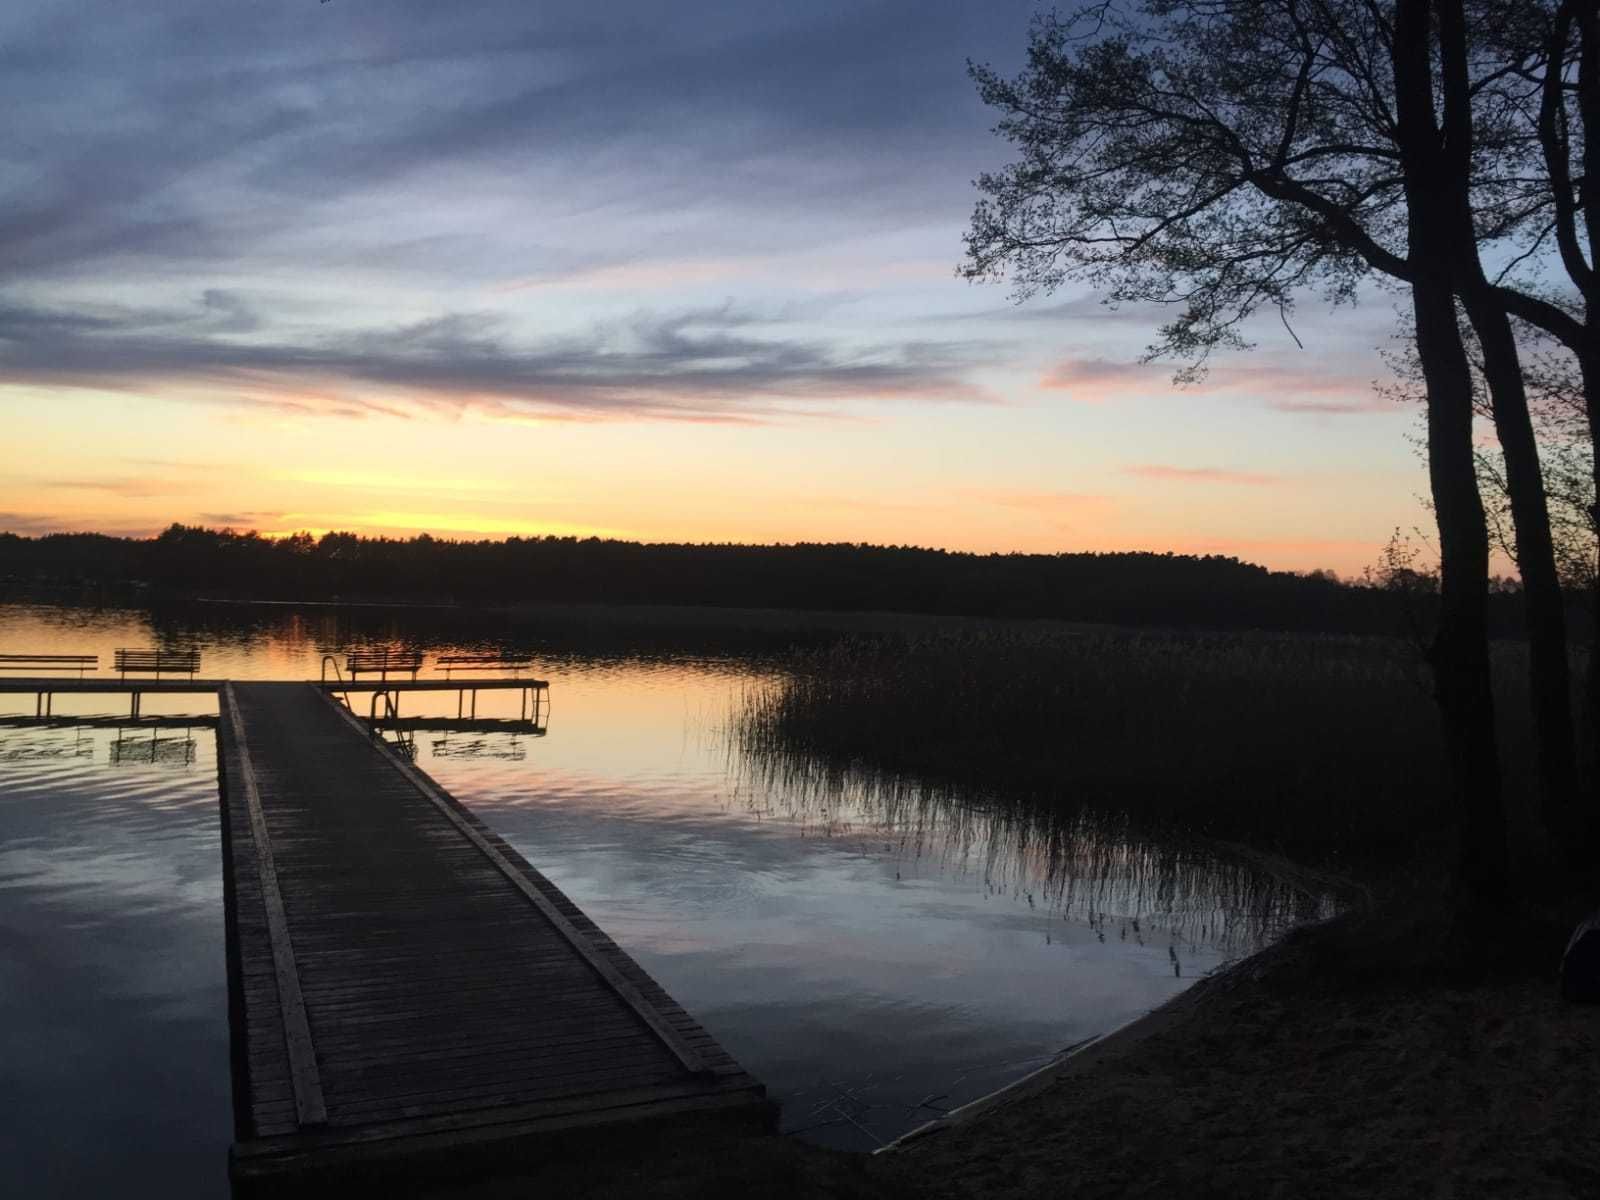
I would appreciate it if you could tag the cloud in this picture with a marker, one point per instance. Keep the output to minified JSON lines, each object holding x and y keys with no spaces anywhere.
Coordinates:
{"x":719,"y":364}
{"x":251,"y":519}
{"x":1285,"y":385}
{"x":211,"y":136}
{"x":1093,"y":378}
{"x":1336,"y":408}
{"x":1201,"y":475}
{"x":29,"y":524}
{"x":39,"y":524}
{"x":126,"y":489}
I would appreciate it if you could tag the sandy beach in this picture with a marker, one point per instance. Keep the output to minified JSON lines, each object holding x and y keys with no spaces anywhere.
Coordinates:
{"x":1285,"y":1076}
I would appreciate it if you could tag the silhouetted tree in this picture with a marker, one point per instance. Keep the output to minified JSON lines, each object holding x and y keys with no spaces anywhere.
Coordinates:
{"x":1222,"y":155}
{"x":1561,"y":424}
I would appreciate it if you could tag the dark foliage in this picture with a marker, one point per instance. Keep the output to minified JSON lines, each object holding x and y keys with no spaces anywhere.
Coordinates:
{"x":1179,"y":591}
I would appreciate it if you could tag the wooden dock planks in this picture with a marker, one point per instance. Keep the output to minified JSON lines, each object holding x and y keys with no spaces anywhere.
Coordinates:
{"x":452,"y":997}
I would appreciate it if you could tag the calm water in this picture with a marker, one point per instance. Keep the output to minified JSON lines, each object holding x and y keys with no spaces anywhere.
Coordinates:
{"x":874,"y":956}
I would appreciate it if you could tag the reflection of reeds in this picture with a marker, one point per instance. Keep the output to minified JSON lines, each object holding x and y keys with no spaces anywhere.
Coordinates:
{"x":1122,"y":774}
{"x":1082,"y":865}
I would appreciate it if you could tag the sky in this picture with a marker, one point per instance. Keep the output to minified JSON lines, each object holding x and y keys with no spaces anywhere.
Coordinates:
{"x":672,"y":272}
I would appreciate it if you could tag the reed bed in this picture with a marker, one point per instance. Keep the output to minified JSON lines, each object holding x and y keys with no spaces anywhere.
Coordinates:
{"x":1321,"y":751}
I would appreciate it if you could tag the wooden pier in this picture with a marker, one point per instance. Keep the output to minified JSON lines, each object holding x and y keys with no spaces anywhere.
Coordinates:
{"x":407,"y":993}
{"x":404,"y":983}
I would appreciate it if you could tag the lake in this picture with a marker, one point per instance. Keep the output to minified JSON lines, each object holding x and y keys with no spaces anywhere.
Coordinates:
{"x":875,"y":954}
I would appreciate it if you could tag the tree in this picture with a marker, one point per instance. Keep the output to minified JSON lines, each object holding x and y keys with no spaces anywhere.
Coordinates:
{"x":1221,"y":156}
{"x":1561,"y":425}
{"x":1569,"y":139}
{"x":1462,"y":134}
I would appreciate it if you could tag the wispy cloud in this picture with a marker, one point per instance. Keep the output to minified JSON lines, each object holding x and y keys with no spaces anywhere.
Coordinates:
{"x":1355,"y":405}
{"x":248,"y":519}
{"x":126,"y":489}
{"x":1286,"y":386}
{"x":33,"y":524}
{"x":1094,"y":379}
{"x":720,"y":364}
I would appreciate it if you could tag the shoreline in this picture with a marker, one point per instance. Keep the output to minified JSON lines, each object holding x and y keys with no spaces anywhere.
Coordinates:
{"x":1314,"y":1067}
{"x":1119,"y":1039}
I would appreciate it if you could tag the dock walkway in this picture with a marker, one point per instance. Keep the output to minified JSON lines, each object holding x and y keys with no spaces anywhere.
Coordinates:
{"x":403,"y":983}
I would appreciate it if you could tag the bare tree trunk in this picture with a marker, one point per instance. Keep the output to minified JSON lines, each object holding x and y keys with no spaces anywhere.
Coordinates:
{"x":1459,"y":656}
{"x":1589,"y":364}
{"x":1588,"y":22}
{"x":1549,"y":671}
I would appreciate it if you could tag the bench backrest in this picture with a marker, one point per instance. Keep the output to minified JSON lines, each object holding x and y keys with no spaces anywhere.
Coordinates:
{"x":485,"y":662}
{"x":383,"y":661}
{"x":50,"y":662}
{"x":185,"y":661}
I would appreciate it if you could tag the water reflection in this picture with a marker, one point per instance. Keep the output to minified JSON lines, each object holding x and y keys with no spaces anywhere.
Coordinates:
{"x":1083,"y":866}
{"x":131,"y":746}
{"x":113,"y":1001}
{"x":875,"y":951}
{"x":508,"y":746}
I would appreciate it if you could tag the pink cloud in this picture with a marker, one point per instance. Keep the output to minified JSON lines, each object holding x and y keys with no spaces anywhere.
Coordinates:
{"x":1334,"y":408}
{"x":1286,"y":387}
{"x":1100,"y":376}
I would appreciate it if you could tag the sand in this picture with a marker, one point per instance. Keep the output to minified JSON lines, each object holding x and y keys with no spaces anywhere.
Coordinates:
{"x":1291,"y":1076}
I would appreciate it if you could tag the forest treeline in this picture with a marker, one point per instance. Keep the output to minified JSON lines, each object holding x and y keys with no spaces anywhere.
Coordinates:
{"x":1174,"y":590}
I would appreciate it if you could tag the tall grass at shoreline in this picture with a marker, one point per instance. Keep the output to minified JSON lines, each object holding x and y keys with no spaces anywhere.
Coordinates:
{"x":1322,"y":750}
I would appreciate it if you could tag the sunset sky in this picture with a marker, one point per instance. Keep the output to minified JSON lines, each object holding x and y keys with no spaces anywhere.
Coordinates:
{"x":661,"y":271}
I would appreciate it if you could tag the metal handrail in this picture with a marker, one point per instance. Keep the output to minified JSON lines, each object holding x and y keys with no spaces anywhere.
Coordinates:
{"x":334,"y":659}
{"x":392,"y":708}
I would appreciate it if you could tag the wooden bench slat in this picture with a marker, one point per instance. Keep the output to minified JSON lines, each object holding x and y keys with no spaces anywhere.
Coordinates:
{"x":50,"y":662}
{"x":383,"y":661}
{"x":484,"y":662}
{"x":187,"y":661}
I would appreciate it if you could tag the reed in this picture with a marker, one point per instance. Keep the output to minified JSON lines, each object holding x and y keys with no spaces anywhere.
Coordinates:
{"x":1322,"y":750}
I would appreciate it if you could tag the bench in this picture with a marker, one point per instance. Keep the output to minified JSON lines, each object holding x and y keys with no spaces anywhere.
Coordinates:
{"x":183,"y":662}
{"x":383,"y":661}
{"x":485,"y":662}
{"x":50,"y":662}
